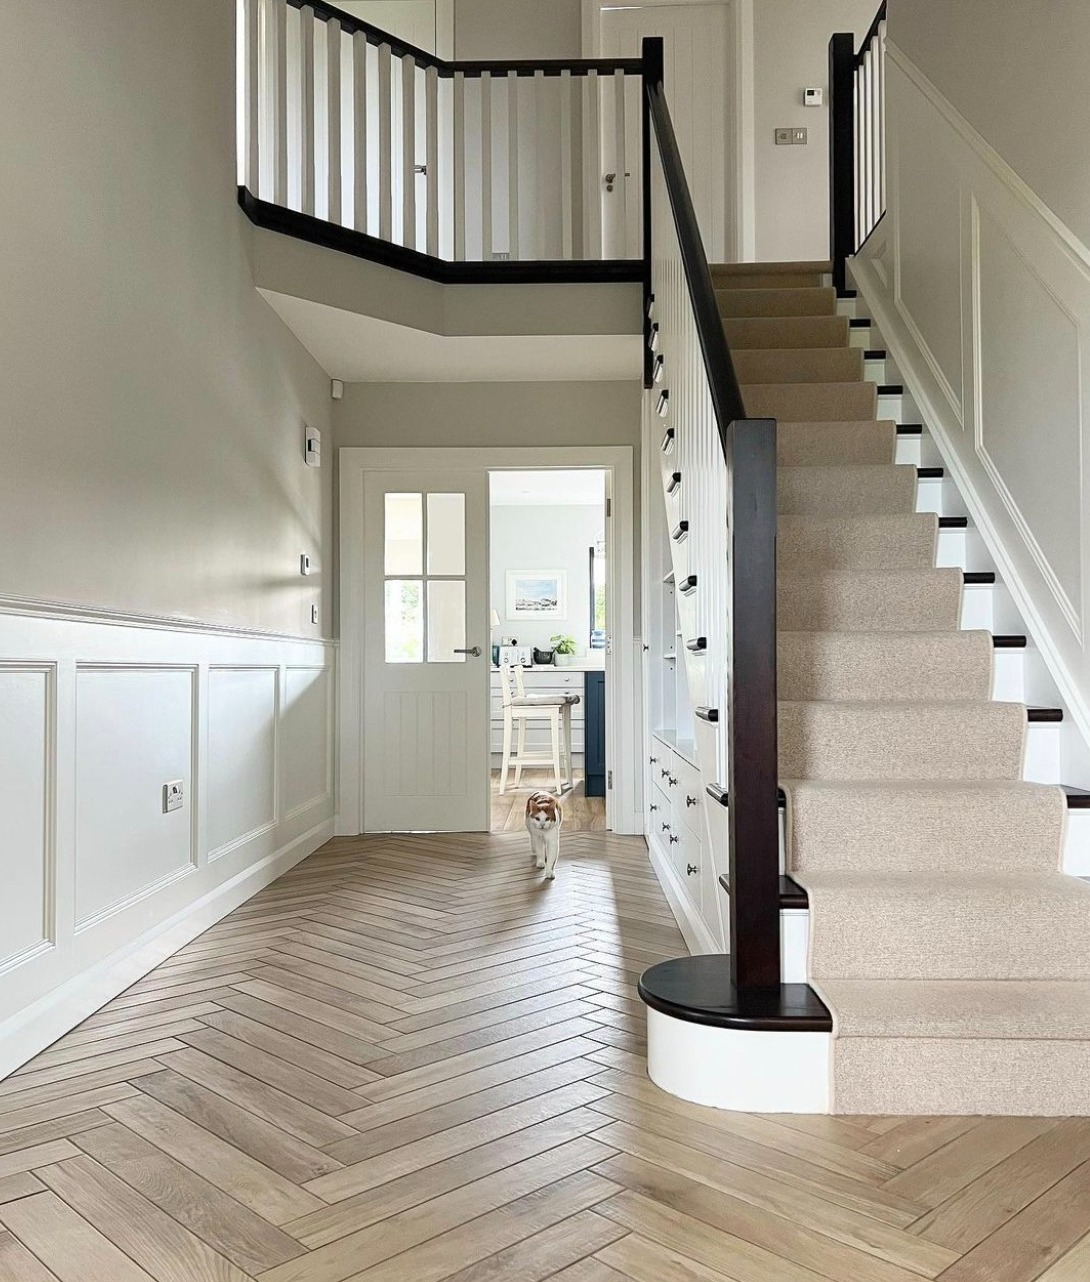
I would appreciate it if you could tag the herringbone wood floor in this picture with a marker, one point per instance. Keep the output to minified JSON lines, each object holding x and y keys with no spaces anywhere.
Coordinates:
{"x":409,"y":1060}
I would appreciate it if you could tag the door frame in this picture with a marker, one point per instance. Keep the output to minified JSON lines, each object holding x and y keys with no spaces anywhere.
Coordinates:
{"x":624,"y":683}
{"x":741,"y":159}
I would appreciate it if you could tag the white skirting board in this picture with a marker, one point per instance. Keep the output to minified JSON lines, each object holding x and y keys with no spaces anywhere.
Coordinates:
{"x":751,"y":1072}
{"x":32,"y":1030}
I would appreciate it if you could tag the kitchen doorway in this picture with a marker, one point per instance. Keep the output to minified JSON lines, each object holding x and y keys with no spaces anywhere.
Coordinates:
{"x":549,"y":615}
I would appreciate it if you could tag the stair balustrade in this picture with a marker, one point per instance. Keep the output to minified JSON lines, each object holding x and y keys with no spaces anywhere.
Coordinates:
{"x":857,"y":135}
{"x":346,"y":124}
{"x":727,"y":496}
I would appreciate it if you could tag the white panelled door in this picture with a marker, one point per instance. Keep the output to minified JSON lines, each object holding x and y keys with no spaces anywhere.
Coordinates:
{"x":696,"y":50}
{"x":426,"y":652}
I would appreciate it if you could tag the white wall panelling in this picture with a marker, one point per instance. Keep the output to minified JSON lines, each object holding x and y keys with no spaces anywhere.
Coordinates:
{"x":27,"y":751}
{"x":982,"y":297}
{"x":97,"y":712}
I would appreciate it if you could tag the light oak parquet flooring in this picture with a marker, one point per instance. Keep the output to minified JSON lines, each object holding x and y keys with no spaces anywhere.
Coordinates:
{"x":409,"y":1059}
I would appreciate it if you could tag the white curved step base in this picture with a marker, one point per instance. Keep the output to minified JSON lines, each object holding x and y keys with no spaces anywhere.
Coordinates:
{"x":748,"y":1072}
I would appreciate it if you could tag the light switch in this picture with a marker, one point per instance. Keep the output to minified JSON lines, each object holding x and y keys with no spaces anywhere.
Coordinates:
{"x":312,"y":446}
{"x":304,"y":563}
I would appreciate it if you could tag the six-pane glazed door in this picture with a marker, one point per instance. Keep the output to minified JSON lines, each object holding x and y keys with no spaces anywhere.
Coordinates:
{"x":427,"y":652}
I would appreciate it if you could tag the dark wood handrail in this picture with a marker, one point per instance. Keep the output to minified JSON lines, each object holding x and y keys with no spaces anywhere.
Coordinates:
{"x":722,"y":379}
{"x":872,"y":32}
{"x":477,"y":67}
{"x":749,"y":452}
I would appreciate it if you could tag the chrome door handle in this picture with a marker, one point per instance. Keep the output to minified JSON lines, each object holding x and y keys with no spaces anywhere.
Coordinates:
{"x":474,"y":650}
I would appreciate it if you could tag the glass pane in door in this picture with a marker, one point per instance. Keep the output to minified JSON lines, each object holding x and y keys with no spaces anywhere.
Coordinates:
{"x":446,"y":620}
{"x":404,"y":621}
{"x":404,"y":551}
{"x":446,"y":534}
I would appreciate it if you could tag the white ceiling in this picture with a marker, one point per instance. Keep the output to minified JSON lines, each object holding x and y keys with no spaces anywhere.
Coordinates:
{"x":363,"y":349}
{"x":549,"y":487}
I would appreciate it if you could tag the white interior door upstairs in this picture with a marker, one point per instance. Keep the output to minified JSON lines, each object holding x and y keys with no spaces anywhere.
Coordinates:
{"x":697,"y":49}
{"x":426,"y":652}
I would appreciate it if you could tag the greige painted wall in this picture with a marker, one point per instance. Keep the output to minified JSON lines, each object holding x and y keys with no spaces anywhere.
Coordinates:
{"x":496,"y":414}
{"x":791,"y":42}
{"x":1017,"y":69}
{"x":482,"y":414}
{"x":152,"y":408}
{"x":518,"y":29}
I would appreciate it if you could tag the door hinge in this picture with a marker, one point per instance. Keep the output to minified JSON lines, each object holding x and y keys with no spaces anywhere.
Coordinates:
{"x":609,"y":778}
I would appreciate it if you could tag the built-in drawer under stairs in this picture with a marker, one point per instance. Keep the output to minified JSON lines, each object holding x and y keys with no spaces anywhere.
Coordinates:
{"x":952,"y":952}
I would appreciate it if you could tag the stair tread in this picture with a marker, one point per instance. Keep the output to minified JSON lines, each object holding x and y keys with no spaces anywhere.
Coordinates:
{"x":975,"y":1008}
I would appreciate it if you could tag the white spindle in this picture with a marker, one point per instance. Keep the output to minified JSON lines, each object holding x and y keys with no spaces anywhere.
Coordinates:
{"x":882,"y":113}
{"x":408,"y":152}
{"x":858,"y":157}
{"x":876,"y":131}
{"x":459,"y":165}
{"x":306,"y":81}
{"x":252,"y":96}
{"x":566,"y":198}
{"x":385,"y":147}
{"x":621,"y":222}
{"x":592,"y":169}
{"x":359,"y":130}
{"x":575,"y":164}
{"x":513,"y":164}
{"x":868,"y":145}
{"x":431,"y":92}
{"x":333,"y":119}
{"x":543,"y":180}
{"x":280,"y":67}
{"x":486,"y":166}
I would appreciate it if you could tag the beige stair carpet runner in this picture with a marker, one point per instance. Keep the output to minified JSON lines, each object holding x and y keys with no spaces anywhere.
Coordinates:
{"x":951,"y":949}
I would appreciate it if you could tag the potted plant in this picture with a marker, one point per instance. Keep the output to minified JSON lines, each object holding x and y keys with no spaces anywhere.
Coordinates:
{"x":563,"y":650}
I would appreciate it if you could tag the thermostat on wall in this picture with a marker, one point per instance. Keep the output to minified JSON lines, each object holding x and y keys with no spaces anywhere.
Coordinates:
{"x":813,"y":97}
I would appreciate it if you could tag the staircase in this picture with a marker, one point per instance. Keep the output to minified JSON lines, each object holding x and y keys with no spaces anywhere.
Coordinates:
{"x":951,"y":950}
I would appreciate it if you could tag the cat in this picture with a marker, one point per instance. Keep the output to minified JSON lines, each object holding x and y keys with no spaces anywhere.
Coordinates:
{"x":544,"y":815}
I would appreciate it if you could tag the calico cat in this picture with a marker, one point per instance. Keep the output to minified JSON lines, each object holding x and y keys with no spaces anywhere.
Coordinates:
{"x":544,"y":815}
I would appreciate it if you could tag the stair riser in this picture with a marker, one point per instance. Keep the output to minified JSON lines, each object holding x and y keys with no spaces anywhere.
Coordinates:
{"x":997,"y":1077}
{"x":778,"y":302}
{"x":842,"y":743}
{"x":799,"y":365}
{"x":795,"y":922}
{"x":785,"y":332}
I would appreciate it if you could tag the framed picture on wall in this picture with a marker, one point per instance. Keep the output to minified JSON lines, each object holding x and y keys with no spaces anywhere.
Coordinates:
{"x":537,"y":594}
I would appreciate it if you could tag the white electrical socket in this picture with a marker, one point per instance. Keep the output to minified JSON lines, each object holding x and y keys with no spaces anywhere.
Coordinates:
{"x":173,"y":796}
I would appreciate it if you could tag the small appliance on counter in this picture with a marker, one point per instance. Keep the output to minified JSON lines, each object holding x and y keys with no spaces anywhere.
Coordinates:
{"x":512,"y":656}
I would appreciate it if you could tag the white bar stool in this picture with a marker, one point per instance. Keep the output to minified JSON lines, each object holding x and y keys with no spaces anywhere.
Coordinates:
{"x":555,"y":709}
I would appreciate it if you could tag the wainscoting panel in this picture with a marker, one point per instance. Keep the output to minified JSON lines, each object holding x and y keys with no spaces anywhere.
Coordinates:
{"x":1029,"y":419}
{"x":242,"y":715}
{"x":982,"y":297}
{"x":134,"y":734}
{"x":26,"y":808}
{"x":928,"y":245}
{"x":97,"y":712}
{"x":307,"y":770}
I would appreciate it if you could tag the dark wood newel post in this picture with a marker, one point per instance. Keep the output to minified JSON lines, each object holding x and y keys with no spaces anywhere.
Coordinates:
{"x":652,"y":54}
{"x":841,"y":154}
{"x":753,"y":778}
